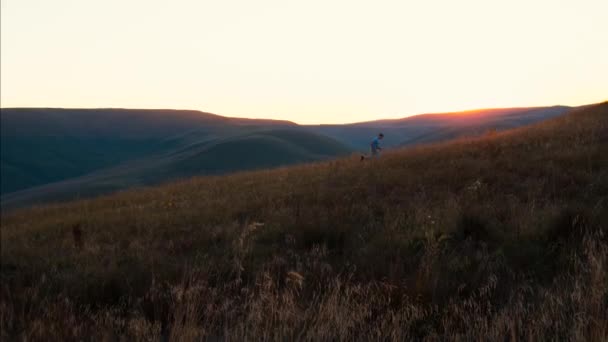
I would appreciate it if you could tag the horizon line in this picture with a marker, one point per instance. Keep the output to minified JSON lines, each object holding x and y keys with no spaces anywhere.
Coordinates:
{"x":458,"y":111}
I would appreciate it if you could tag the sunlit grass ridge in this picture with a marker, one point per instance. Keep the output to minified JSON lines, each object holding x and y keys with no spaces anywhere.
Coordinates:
{"x":502,"y":236}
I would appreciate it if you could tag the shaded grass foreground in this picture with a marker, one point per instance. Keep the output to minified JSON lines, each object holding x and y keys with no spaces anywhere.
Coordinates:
{"x":501,"y":237}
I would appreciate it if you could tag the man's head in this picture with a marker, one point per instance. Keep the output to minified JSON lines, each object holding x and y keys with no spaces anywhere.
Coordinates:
{"x":380,"y":136}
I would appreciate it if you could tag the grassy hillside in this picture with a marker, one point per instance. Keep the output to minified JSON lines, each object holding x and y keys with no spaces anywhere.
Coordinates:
{"x":256,"y":149}
{"x":499,"y":237}
{"x":259,"y":150}
{"x":45,"y":145}
{"x":32,"y":161}
{"x":49,"y":148}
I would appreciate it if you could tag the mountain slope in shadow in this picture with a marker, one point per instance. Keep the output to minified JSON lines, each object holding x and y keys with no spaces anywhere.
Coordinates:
{"x":259,"y":150}
{"x":428,"y":128}
{"x":44,"y":145}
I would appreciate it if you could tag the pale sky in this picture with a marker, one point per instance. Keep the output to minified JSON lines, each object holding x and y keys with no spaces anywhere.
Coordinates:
{"x":310,"y":61}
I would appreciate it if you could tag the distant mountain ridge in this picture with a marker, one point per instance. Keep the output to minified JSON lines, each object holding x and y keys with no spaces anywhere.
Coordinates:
{"x":45,"y":145}
{"x":132,"y":123}
{"x":426,"y":128}
{"x":50,"y":153}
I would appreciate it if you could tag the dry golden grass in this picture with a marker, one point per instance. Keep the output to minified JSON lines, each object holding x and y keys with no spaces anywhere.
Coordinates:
{"x":501,"y":237}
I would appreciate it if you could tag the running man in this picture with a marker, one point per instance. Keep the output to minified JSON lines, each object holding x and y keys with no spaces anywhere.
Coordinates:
{"x":375,"y":147}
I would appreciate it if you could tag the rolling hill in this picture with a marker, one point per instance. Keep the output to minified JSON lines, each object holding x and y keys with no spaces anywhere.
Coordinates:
{"x":427,"y":128}
{"x":490,"y":238}
{"x":58,"y":154}
{"x":41,"y":146}
{"x":262,"y":149}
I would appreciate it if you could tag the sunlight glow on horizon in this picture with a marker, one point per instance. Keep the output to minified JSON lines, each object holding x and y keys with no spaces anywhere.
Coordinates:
{"x":304,"y":61}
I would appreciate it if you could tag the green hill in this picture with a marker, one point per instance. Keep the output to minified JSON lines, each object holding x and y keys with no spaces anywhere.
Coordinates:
{"x":189,"y":157}
{"x":45,"y":145}
{"x":491,"y":238}
{"x":259,"y":150}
